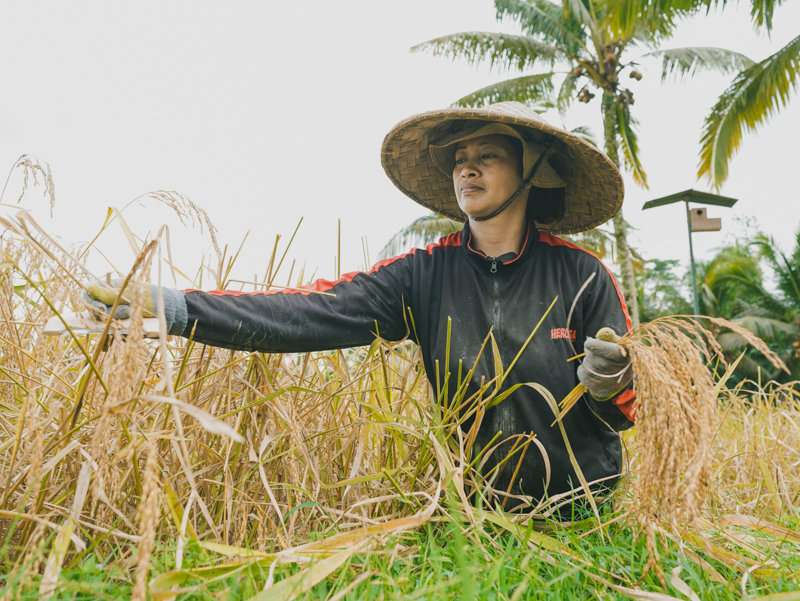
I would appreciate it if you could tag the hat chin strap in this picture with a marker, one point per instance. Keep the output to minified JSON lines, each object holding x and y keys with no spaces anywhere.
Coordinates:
{"x":549,"y":148}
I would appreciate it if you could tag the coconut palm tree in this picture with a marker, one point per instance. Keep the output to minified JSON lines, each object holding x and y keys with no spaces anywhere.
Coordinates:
{"x":585,"y":46}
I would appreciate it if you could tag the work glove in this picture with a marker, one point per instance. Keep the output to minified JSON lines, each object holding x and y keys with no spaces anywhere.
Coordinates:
{"x":606,"y":368}
{"x":103,"y":295}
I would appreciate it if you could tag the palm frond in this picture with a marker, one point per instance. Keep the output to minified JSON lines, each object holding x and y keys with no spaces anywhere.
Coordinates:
{"x":528,"y":89}
{"x":753,"y":288}
{"x":754,"y":96}
{"x":646,"y":19}
{"x":687,"y":62}
{"x":585,"y":132}
{"x":577,"y":10}
{"x":787,"y":270}
{"x":503,"y":50}
{"x":761,"y":11}
{"x":767,"y":328}
{"x":597,"y":241}
{"x":543,"y":18}
{"x":768,"y":248}
{"x":422,"y":231}
{"x":629,"y":141}
{"x":744,"y":308}
{"x":731,"y":342}
{"x":565,"y":93}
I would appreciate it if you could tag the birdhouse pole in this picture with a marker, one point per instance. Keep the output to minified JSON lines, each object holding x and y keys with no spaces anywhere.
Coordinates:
{"x":696,"y":221}
{"x":695,"y":297}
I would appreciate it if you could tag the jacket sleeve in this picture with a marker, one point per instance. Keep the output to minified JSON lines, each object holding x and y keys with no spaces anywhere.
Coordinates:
{"x":355,"y":309}
{"x":604,"y":306}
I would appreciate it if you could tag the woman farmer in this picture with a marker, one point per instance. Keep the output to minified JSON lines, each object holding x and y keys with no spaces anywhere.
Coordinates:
{"x":515,"y":181}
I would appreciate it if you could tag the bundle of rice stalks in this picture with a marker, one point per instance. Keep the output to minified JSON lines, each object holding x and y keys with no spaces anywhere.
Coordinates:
{"x":676,"y":412}
{"x":676,"y":361}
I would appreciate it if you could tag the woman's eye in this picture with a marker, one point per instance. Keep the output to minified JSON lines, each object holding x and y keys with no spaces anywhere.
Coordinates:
{"x":488,"y":155}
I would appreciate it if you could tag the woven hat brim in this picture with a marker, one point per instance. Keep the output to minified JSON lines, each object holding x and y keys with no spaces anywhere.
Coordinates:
{"x":594,"y":190}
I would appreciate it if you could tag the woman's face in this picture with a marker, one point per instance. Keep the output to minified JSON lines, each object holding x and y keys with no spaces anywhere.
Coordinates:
{"x":486,"y":174}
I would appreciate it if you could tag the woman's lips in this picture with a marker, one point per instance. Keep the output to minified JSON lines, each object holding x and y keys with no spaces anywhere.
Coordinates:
{"x":470,"y":189}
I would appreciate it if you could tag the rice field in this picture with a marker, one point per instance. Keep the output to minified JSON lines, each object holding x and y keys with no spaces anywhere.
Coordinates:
{"x":164,"y":469}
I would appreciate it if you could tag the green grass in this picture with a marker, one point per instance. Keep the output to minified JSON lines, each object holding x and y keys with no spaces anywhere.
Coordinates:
{"x":440,"y":561}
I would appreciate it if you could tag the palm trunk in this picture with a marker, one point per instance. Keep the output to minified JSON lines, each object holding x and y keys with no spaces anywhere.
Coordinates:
{"x":620,"y":227}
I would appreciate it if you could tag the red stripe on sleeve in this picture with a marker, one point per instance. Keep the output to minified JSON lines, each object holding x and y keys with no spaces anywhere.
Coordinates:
{"x":551,"y":240}
{"x":625,"y":403}
{"x":326,"y":285}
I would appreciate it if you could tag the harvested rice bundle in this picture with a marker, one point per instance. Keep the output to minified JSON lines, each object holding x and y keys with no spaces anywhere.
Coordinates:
{"x":675,"y":409}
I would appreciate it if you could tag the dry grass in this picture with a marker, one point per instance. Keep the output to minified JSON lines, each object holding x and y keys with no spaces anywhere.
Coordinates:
{"x":285,"y":457}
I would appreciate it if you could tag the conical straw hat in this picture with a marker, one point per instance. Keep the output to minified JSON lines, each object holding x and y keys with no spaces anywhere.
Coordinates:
{"x":594,"y":189}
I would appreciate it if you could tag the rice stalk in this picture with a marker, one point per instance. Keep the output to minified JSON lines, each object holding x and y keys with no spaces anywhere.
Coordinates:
{"x":147,"y":521}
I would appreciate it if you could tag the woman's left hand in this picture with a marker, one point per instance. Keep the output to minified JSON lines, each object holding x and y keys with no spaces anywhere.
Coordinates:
{"x":606,"y":368}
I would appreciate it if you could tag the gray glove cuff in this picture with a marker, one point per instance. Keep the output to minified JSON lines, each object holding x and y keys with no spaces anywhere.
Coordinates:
{"x":174,"y":309}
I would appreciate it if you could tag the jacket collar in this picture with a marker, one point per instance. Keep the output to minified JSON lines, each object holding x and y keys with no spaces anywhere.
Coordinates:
{"x":508,"y":259}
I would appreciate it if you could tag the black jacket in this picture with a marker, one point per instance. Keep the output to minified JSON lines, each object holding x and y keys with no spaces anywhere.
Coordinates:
{"x":507,"y":295}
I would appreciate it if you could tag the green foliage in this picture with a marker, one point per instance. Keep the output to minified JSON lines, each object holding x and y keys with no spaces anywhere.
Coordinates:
{"x":736,"y":285}
{"x":504,"y":50}
{"x":543,"y":18}
{"x":660,"y":291}
{"x":629,"y":141}
{"x":787,"y":268}
{"x":655,"y":19}
{"x":762,"y":12}
{"x":585,"y":132}
{"x":573,"y":35}
{"x":528,"y":89}
{"x":420,"y":232}
{"x":732,"y":285}
{"x":733,"y":274}
{"x":597,"y":241}
{"x":683,"y":63}
{"x":757,"y":93}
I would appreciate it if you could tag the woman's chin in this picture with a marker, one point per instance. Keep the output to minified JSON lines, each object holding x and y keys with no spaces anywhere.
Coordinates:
{"x":474,"y":208}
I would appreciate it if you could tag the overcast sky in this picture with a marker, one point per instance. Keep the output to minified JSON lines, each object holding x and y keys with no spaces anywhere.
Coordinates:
{"x":265,"y":112}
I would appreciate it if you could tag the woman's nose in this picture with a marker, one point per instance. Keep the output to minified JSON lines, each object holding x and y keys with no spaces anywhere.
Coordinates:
{"x":467,"y":169}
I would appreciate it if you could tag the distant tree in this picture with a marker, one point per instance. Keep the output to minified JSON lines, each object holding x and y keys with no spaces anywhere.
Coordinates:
{"x":730,"y":276}
{"x":732,"y":286}
{"x":660,"y":291}
{"x":590,"y":39}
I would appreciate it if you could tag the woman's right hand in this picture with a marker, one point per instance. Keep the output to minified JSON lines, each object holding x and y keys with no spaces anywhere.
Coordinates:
{"x":103,"y":295}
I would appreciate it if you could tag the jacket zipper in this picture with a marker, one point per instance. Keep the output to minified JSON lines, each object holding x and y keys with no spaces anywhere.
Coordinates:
{"x":495,"y":296}
{"x":502,"y":409}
